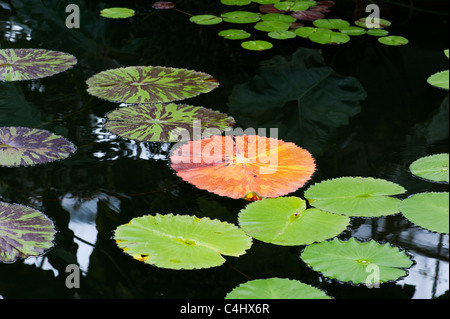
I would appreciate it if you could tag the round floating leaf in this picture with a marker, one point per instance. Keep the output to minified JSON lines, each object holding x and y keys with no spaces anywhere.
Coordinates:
{"x":378,"y":32}
{"x":433,"y":168}
{"x":235,"y":166}
{"x":236,"y":2}
{"x":278,"y":17}
{"x":307,"y":15}
{"x":428,"y":210}
{"x":234,"y":34}
{"x":282,"y":35}
{"x":286,"y":221}
{"x":163,"y":5}
{"x":28,"y":64}
{"x":117,"y":13}
{"x":24,"y":232}
{"x":393,"y":40}
{"x":357,"y":262}
{"x":266,"y":1}
{"x":353,"y":31}
{"x":149,"y":84}
{"x":373,"y":23}
{"x":440,"y":79}
{"x":331,"y":23}
{"x":295,"y":5}
{"x":21,"y":146}
{"x":305,"y":32}
{"x":257,"y":45}
{"x":269,"y":26}
{"x":164,"y":122}
{"x":276,"y":288}
{"x":240,"y":17}
{"x":355,"y":196}
{"x":181,"y":241}
{"x":326,"y":36}
{"x":205,"y":19}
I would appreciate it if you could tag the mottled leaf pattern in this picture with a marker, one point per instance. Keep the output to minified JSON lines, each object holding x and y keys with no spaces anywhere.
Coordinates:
{"x":149,"y":84}
{"x":164,"y":122}
{"x":27,"y":64}
{"x":24,"y":232}
{"x":21,"y":146}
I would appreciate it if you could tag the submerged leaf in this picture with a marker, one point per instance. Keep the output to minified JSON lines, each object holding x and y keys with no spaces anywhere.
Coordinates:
{"x":21,"y":146}
{"x":181,"y":241}
{"x":24,"y":232}
{"x":28,"y":64}
{"x":433,"y":168}
{"x":149,"y":84}
{"x":235,"y":166}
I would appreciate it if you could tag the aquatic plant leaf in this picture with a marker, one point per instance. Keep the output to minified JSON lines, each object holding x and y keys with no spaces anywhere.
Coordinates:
{"x":24,"y":232}
{"x":276,"y":288}
{"x":257,"y":45}
{"x":331,"y":23}
{"x":21,"y":146}
{"x":372,"y":23}
{"x":149,"y":84}
{"x":305,"y":32}
{"x":117,"y":13}
{"x":356,"y":196}
{"x":240,"y":17}
{"x":239,"y":165}
{"x":295,"y":5}
{"x":428,"y":210}
{"x":327,"y":36}
{"x":446,"y":52}
{"x":282,"y":35}
{"x":286,"y":221}
{"x":205,"y":19}
{"x":440,"y":79}
{"x":378,"y":32}
{"x":28,"y":64}
{"x":164,"y":122}
{"x":163,"y":5}
{"x":307,"y":15}
{"x":353,"y":31}
{"x":266,"y":1}
{"x":181,"y":241}
{"x":432,"y":168}
{"x":357,"y":262}
{"x":393,"y":40}
{"x":234,"y":34}
{"x":236,"y":2}
{"x":269,"y":26}
{"x":278,"y":17}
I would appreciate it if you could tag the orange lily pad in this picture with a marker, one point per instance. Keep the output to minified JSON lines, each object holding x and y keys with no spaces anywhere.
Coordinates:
{"x":249,"y":166}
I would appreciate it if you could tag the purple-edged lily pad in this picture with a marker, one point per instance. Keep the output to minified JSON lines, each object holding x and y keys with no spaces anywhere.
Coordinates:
{"x":28,"y":64}
{"x":21,"y":146}
{"x":24,"y":232}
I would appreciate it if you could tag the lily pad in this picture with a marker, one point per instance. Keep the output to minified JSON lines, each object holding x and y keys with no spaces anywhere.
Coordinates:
{"x":21,"y":146}
{"x":432,"y":168}
{"x":163,"y":5}
{"x":331,"y":23}
{"x":378,"y":32}
{"x":295,"y":5}
{"x":440,"y":79}
{"x":282,"y":35}
{"x":393,"y":40}
{"x":269,"y":26}
{"x":234,"y":34}
{"x":286,"y":221}
{"x":276,"y":288}
{"x":258,"y":45}
{"x":307,"y":15}
{"x":117,"y":13}
{"x":236,"y":2}
{"x":235,"y":166}
{"x":240,"y":17}
{"x":149,"y":84}
{"x":357,"y":262}
{"x":353,"y":31}
{"x":205,"y":19}
{"x":356,"y":196}
{"x":373,"y":23}
{"x":181,"y":241}
{"x":278,"y":17}
{"x":29,"y":64}
{"x":327,"y":36}
{"x":164,"y":122}
{"x":428,"y":210}
{"x":24,"y":232}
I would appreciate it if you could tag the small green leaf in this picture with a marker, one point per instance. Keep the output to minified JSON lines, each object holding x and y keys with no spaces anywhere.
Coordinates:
{"x":234,"y":34}
{"x":373,"y":23}
{"x":393,"y":40}
{"x":428,"y":210}
{"x":331,"y":23}
{"x":240,"y":17}
{"x":258,"y":45}
{"x":266,"y":1}
{"x":353,"y":31}
{"x":357,"y":262}
{"x":276,"y":288}
{"x":117,"y":13}
{"x":282,"y":35}
{"x":295,"y":5}
{"x":446,"y":52}
{"x":305,"y":32}
{"x":236,"y":2}
{"x":205,"y":19}
{"x":440,"y":79}
{"x":269,"y":26}
{"x":278,"y":17}
{"x":432,"y":168}
{"x":378,"y":32}
{"x":327,"y":36}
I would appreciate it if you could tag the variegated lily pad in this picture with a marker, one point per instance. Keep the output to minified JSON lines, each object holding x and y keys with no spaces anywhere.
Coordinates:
{"x":149,"y":84}
{"x":164,"y":122}
{"x":21,"y":146}
{"x":28,"y":64}
{"x":24,"y":232}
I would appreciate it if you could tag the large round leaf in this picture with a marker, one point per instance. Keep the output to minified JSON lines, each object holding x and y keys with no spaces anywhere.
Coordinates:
{"x":180,"y":241}
{"x":357,"y":262}
{"x":257,"y":45}
{"x":239,"y":165}
{"x":276,"y":288}
{"x":432,"y":168}
{"x":356,"y":196}
{"x":165,"y":122}
{"x":393,"y":40}
{"x":428,"y":210}
{"x":24,"y":232}
{"x":331,"y":23}
{"x":117,"y":13}
{"x":149,"y":84}
{"x":286,"y":221}
{"x":21,"y":146}
{"x":240,"y":17}
{"x":28,"y":64}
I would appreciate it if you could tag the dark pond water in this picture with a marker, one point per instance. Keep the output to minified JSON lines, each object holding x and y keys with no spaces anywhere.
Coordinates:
{"x":110,"y":180}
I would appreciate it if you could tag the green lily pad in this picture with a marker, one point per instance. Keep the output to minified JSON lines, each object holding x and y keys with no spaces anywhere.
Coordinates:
{"x":29,"y":64}
{"x":446,"y":52}
{"x":373,"y":23}
{"x":353,"y":31}
{"x":257,"y":45}
{"x":240,"y":17}
{"x":205,"y":19}
{"x":305,"y":32}
{"x":278,"y":17}
{"x":327,"y":36}
{"x":393,"y":40}
{"x":269,"y":26}
{"x":357,"y":262}
{"x":282,"y":35}
{"x":440,"y":79}
{"x":276,"y":288}
{"x":356,"y":196}
{"x":266,"y":1}
{"x":286,"y":221}
{"x":331,"y":23}
{"x":21,"y":146}
{"x":432,"y":168}
{"x":236,"y":2}
{"x":181,"y":241}
{"x":378,"y":32}
{"x":164,"y":122}
{"x":149,"y":84}
{"x":24,"y":232}
{"x":117,"y":13}
{"x":294,"y":5}
{"x":428,"y":210}
{"x":234,"y":34}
